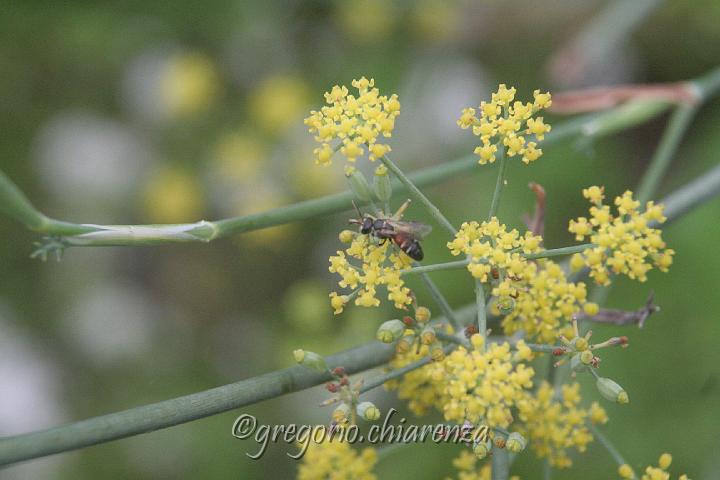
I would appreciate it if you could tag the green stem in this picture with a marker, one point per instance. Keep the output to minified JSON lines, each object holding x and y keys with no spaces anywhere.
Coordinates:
{"x":555,"y":252}
{"x":612,"y":450}
{"x":14,"y":203}
{"x":399,"y":372}
{"x":499,"y":183}
{"x":673,"y":134}
{"x":441,"y":301}
{"x":418,"y":195}
{"x":480,"y":305}
{"x":500,"y":463}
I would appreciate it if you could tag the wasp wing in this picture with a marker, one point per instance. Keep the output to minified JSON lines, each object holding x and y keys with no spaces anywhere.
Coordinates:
{"x":415,"y":230}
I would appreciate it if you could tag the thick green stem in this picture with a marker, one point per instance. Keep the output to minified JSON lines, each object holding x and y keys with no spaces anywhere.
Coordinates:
{"x":14,"y":203}
{"x":418,"y":195}
{"x":500,"y":464}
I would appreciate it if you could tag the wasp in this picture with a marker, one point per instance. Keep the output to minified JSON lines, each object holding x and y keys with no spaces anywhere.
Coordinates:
{"x":406,"y":235}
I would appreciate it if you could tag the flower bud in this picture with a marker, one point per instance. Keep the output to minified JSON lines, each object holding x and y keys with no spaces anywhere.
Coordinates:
{"x":341,"y":413}
{"x":368,"y":411}
{"x":390,"y":331}
{"x":482,"y":449}
{"x":506,"y":305}
{"x":427,"y":336}
{"x":346,"y":236}
{"x":515,"y":443}
{"x":611,"y":390}
{"x":359,"y":186}
{"x":422,"y":314}
{"x":310,"y":359}
{"x":405,"y":344}
{"x":382,"y":184}
{"x":665,"y":461}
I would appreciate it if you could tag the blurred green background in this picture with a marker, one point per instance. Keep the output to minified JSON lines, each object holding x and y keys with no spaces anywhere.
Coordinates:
{"x":148,"y":112}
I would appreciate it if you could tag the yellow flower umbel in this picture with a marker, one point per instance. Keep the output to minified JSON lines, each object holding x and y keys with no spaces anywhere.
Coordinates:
{"x":466,"y":464}
{"x":495,"y":253}
{"x":482,"y":386}
{"x":555,"y":426}
{"x":546,"y":303}
{"x":503,"y":122}
{"x":626,"y":244}
{"x":336,"y":459}
{"x":356,"y":122}
{"x":652,"y":473}
{"x":375,"y":265}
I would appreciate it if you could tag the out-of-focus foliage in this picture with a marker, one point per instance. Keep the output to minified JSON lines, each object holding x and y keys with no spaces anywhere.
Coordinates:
{"x":146,"y":112}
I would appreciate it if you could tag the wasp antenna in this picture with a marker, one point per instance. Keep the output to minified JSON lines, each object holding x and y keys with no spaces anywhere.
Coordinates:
{"x":357,"y":209}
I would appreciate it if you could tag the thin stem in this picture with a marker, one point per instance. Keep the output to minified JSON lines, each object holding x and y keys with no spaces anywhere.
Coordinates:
{"x":555,"y":252}
{"x":499,"y":183}
{"x":399,"y":372}
{"x":441,"y":301}
{"x":480,"y":305}
{"x":612,"y":450}
{"x":666,"y":150}
{"x":418,"y":195}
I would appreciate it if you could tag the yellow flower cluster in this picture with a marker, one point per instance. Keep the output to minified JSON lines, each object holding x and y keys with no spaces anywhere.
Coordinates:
{"x":356,"y":122}
{"x":546,"y":303}
{"x":652,"y":473}
{"x":335,"y":459}
{"x":466,"y":464}
{"x":377,"y":265}
{"x":626,"y":243}
{"x":554,"y":427}
{"x":504,"y":122}
{"x":483,"y":386}
{"x":495,"y":252}
{"x":424,"y":387}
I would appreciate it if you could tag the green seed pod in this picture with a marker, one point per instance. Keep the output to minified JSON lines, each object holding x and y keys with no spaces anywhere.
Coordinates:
{"x":427,"y":336}
{"x":422,"y":314}
{"x":368,"y":411}
{"x":611,"y":390}
{"x":382,"y":185}
{"x":515,"y":443}
{"x":360,"y":186}
{"x":482,"y":449}
{"x":506,"y":305}
{"x":390,"y":331}
{"x":310,"y":359}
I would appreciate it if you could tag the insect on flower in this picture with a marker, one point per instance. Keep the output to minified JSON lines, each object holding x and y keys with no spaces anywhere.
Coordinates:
{"x":406,"y":235}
